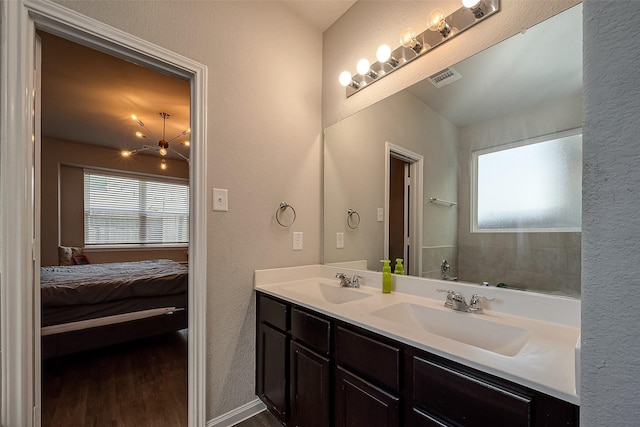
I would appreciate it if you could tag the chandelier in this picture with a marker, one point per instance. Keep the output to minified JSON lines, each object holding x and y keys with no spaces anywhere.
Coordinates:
{"x":163,"y":147}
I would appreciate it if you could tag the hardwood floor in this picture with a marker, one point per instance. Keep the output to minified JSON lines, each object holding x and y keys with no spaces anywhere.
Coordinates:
{"x":143,"y":383}
{"x":263,"y":419}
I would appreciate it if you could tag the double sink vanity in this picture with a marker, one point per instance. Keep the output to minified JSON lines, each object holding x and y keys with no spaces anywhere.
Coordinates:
{"x":334,"y":355}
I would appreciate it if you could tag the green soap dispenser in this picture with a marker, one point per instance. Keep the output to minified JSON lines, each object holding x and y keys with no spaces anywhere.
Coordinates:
{"x":386,"y":276}
{"x":399,"y":267}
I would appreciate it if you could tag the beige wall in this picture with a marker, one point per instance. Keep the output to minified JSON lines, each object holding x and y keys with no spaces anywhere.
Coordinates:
{"x":62,"y":202}
{"x":264,"y":146}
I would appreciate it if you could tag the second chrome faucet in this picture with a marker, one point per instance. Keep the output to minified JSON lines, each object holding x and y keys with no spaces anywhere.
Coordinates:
{"x":456,"y":301}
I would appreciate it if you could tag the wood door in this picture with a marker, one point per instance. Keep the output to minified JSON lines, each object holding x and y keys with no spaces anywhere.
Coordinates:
{"x":398,"y":210}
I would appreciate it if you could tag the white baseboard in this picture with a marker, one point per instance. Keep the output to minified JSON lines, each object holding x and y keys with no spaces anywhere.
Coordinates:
{"x":241,"y":413}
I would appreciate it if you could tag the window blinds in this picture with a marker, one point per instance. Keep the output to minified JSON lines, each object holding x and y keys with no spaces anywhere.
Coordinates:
{"x":128,"y":210}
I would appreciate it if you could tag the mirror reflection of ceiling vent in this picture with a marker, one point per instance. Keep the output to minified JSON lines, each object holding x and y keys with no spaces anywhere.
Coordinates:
{"x":444,"y":77}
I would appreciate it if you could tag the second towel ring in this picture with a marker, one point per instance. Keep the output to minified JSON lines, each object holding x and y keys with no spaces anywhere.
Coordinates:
{"x":351,"y":214}
{"x":283,"y":207}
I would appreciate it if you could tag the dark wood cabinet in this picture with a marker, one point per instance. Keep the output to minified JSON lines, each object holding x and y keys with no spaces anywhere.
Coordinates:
{"x":313,"y":370}
{"x":359,"y":403}
{"x":271,"y":381}
{"x":465,"y":400}
{"x":272,"y":355}
{"x":310,"y":388}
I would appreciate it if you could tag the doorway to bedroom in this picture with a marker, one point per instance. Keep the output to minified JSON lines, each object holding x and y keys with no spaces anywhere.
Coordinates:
{"x":114,"y":239}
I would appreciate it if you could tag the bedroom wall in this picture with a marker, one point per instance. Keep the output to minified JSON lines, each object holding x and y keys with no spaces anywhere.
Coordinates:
{"x":62,"y":201}
{"x":264,"y":146}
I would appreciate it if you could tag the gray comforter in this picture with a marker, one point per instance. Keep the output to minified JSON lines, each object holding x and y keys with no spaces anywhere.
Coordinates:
{"x":97,"y":283}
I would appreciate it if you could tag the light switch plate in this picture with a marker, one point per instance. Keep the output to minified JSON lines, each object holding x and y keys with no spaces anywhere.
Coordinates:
{"x":220,"y":200}
{"x":380,"y":214}
{"x":339,"y":240}
{"x":297,"y":240}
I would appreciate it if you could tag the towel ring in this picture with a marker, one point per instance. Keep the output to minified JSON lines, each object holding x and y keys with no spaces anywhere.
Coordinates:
{"x":350,"y":221}
{"x":283,"y":207}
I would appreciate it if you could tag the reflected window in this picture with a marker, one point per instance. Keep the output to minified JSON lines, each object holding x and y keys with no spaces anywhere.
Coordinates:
{"x":529,"y":186}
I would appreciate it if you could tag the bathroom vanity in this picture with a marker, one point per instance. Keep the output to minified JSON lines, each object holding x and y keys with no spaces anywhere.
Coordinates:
{"x":330,"y":355}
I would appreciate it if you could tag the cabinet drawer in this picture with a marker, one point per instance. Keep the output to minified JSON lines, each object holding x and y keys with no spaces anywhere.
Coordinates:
{"x":466,"y":400}
{"x":312,"y":330}
{"x":273,"y":312}
{"x":373,"y":360}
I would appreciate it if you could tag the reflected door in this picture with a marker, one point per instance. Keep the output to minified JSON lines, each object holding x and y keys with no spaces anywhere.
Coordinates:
{"x":399,"y":185}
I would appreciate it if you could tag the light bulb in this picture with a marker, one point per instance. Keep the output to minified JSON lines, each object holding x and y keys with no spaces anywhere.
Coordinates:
{"x":475,"y":6}
{"x":140,"y":134}
{"x":383,"y":53}
{"x":163,"y":151}
{"x":363,"y":67}
{"x":163,"y":164}
{"x":125,"y":153}
{"x":408,"y":37}
{"x":435,"y":18}
{"x":345,"y":78}
{"x":470,"y":4}
{"x":186,"y":143}
{"x":134,"y":117}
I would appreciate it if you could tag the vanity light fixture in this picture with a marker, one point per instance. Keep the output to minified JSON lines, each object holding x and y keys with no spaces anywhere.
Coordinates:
{"x":413,"y":45}
{"x":383,"y":54}
{"x":346,"y":80}
{"x":364,"y":68}
{"x":475,"y":6}
{"x":439,"y":23}
{"x":409,"y":38}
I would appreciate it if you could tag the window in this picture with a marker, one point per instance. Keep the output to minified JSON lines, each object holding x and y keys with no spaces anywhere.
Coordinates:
{"x":133,"y":210}
{"x":534,"y":185}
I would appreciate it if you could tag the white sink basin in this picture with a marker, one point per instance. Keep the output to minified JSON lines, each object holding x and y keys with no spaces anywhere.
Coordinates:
{"x":471,"y":329}
{"x":327,"y":293}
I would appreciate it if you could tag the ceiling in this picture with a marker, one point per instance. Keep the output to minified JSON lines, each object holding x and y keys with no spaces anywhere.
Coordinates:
{"x":319,"y":13}
{"x":89,"y":97}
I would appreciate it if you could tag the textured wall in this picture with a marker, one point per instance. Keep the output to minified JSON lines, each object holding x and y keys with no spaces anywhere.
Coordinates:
{"x":264,"y":145}
{"x":611,"y":202}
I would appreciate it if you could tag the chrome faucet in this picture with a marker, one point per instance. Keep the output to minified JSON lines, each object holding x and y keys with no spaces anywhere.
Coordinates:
{"x":348,"y":283}
{"x":456,"y":301}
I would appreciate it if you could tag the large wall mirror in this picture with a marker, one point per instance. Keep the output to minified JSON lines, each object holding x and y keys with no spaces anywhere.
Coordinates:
{"x":473,"y":176}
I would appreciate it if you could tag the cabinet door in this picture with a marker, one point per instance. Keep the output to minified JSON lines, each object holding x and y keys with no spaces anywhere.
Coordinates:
{"x":271,"y":367}
{"x":309,"y":397}
{"x":360,"y":404}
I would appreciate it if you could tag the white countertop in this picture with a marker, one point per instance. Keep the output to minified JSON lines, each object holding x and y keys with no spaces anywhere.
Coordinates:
{"x":546,"y":362}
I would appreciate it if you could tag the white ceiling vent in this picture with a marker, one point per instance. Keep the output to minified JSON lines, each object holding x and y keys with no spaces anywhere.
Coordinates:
{"x":444,"y":77}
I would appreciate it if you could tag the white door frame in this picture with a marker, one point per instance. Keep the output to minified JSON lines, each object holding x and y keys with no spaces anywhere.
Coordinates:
{"x":416,"y":167}
{"x":19,"y":330}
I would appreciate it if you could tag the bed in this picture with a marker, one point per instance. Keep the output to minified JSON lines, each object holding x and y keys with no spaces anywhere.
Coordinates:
{"x":94,"y":305}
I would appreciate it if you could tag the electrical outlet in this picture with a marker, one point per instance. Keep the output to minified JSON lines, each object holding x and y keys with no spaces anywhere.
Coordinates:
{"x":339,"y":240}
{"x":297,"y":240}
